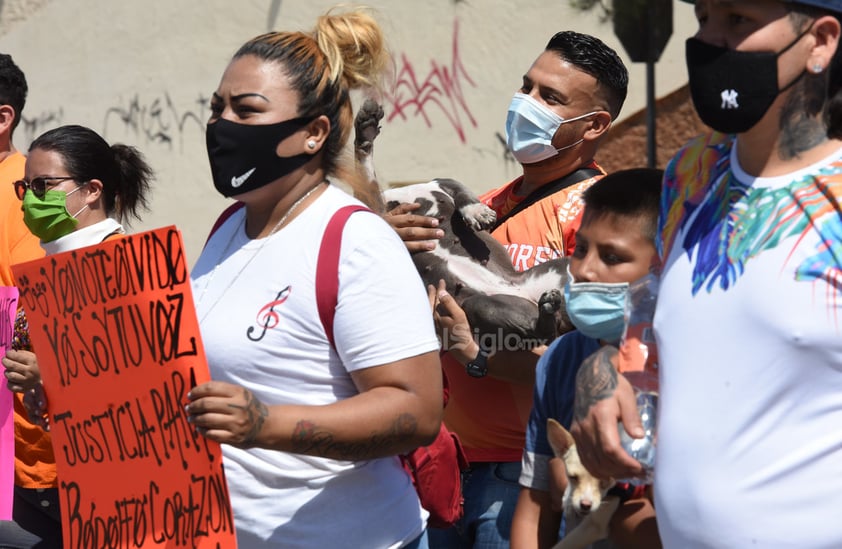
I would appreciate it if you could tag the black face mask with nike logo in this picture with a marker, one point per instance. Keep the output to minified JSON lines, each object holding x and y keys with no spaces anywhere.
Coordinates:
{"x":243,"y":158}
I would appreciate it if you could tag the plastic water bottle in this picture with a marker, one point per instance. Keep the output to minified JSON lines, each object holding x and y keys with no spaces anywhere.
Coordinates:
{"x":638,"y":362}
{"x":643,"y":449}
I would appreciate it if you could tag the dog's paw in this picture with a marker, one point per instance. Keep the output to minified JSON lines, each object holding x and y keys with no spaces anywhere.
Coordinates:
{"x":367,"y":125}
{"x":551,"y":301}
{"x":478,"y":216}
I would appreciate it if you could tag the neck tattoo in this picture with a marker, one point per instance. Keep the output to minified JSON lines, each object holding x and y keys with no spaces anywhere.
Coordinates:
{"x":241,"y":226}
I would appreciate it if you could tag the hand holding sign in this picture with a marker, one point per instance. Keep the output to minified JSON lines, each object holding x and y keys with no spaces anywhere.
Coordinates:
{"x":226,"y":413}
{"x":118,"y":346}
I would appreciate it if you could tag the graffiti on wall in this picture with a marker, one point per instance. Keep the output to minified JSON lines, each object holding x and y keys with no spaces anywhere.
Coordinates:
{"x":31,"y":127}
{"x":415,"y":94}
{"x":157,"y":120}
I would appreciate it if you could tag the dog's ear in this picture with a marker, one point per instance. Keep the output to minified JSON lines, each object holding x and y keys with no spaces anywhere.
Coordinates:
{"x":560,"y":440}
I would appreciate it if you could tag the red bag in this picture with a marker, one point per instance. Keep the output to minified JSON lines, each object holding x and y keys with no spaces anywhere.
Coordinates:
{"x":436,"y":470}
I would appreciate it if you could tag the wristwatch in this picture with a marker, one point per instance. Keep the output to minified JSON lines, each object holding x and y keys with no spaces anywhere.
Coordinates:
{"x":478,"y":367}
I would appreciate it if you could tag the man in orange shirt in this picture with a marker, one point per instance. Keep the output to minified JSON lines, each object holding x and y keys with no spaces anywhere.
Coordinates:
{"x":569,"y":97}
{"x":35,"y":471}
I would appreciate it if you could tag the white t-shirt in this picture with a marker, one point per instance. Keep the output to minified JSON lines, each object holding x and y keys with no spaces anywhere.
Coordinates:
{"x":749,"y":329}
{"x":261,"y":330}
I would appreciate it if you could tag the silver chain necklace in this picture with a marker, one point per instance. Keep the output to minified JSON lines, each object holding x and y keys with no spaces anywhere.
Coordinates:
{"x":263,"y":242}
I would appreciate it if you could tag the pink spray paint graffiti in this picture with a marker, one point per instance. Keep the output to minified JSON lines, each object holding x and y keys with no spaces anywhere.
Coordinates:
{"x":440,"y":89}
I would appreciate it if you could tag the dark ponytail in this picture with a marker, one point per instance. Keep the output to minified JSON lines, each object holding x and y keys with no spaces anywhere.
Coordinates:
{"x":129,"y":197}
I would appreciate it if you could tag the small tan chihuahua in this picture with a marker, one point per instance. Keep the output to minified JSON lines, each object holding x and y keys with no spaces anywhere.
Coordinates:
{"x":587,"y":510}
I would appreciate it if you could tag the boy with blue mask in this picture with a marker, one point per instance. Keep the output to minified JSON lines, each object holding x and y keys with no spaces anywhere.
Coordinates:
{"x":615,"y":245}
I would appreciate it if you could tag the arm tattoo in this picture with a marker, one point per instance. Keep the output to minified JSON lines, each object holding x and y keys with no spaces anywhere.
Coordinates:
{"x":596,"y":380}
{"x":315,"y":440}
{"x":257,"y":414}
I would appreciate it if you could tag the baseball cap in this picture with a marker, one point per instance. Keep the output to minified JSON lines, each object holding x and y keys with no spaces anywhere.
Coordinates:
{"x":829,"y":5}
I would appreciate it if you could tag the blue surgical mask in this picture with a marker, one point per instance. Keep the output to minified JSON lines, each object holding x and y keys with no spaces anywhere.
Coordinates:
{"x":597,"y":309}
{"x":530,"y":128}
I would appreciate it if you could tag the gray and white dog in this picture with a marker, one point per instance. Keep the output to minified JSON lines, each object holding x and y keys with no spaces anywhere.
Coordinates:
{"x":518,"y":310}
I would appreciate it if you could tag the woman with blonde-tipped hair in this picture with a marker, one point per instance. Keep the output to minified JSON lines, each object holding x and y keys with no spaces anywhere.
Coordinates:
{"x":310,"y":430}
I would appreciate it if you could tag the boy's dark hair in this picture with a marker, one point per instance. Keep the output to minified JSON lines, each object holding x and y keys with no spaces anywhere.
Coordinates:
{"x":630,"y":193}
{"x":592,"y":56}
{"x":13,"y":88}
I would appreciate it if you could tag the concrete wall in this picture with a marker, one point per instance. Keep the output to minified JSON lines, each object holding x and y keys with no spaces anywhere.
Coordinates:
{"x":142,"y":72}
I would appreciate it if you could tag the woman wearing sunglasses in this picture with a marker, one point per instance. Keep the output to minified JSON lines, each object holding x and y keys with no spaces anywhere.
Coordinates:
{"x":78,"y":188}
{"x":76,"y":191}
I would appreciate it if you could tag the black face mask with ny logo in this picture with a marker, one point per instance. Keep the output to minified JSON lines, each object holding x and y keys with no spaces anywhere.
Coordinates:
{"x":243,"y":157}
{"x":732,"y":90}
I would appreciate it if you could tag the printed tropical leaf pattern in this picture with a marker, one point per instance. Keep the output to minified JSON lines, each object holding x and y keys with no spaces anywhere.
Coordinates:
{"x":726,"y":223}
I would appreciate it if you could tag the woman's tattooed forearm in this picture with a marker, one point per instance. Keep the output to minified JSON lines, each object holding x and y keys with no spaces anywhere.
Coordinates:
{"x":257,"y":414}
{"x":596,"y":380}
{"x":313,"y":439}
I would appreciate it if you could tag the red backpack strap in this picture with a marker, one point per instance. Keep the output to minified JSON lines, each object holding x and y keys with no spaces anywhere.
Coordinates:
{"x":435,"y":470}
{"x":327,"y":267}
{"x":223,"y":217}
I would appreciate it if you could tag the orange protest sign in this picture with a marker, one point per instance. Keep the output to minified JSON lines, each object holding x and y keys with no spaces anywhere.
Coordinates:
{"x":115,"y":331}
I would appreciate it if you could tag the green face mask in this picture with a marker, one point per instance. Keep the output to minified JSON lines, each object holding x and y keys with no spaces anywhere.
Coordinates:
{"x":47,"y":217}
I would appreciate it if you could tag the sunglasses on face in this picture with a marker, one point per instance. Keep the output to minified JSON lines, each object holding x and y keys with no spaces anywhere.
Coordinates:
{"x":38,"y":186}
